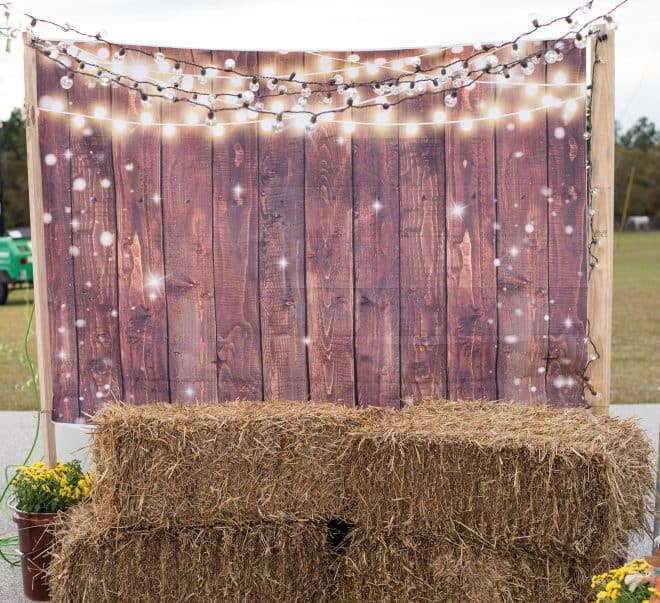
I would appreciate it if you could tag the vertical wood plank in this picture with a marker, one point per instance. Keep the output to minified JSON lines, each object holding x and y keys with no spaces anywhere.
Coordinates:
{"x":94,"y":246}
{"x":522,"y":276}
{"x":329,"y":264}
{"x":423,"y":252}
{"x":53,"y":142}
{"x":599,"y":302}
{"x":188,"y":234}
{"x":235,"y":247}
{"x":567,"y":267}
{"x":471,"y":270}
{"x":282,"y":247}
{"x":40,"y":275}
{"x":142,"y":303}
{"x":376,"y":251}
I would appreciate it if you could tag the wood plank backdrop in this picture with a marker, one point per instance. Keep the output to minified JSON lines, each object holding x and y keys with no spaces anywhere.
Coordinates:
{"x":361,"y":266}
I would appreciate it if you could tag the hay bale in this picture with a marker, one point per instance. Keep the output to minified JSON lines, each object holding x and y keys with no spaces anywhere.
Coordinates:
{"x":392,"y":567}
{"x":200,"y":464}
{"x":232,"y":562}
{"x":501,"y":475}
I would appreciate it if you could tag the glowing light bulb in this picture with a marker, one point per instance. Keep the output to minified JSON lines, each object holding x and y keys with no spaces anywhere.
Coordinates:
{"x":560,"y":78}
{"x":525,"y":115}
{"x":218,"y":130}
{"x":57,"y":106}
{"x":411,"y":128}
{"x":494,"y":112}
{"x":192,"y":118}
{"x":266,"y":125}
{"x":146,"y":118}
{"x":241,"y":116}
{"x":531,"y":89}
{"x":100,"y":112}
{"x":119,"y":126}
{"x":571,"y":106}
{"x":78,"y":121}
{"x":397,"y":65}
{"x":236,"y":81}
{"x":550,"y":101}
{"x":466,"y":125}
{"x":383,"y":117}
{"x":352,"y":72}
{"x":66,"y":82}
{"x":277,"y":107}
{"x":372,"y":69}
{"x":439,"y":117}
{"x":348,"y":126}
{"x":169,"y":130}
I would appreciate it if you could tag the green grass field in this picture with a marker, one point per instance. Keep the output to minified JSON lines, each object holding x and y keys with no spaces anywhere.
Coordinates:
{"x":636,"y":345}
{"x":635,"y":365}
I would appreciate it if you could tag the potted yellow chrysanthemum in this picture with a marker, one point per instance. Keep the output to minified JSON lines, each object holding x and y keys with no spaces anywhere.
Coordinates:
{"x":630,"y":583}
{"x":39,"y":494}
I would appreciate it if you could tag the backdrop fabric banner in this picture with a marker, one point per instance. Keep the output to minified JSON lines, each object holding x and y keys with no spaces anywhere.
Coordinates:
{"x":387,"y":256}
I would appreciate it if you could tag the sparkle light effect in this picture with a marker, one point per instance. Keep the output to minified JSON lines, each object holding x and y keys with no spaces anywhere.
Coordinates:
{"x":282,"y":263}
{"x":458,"y":210}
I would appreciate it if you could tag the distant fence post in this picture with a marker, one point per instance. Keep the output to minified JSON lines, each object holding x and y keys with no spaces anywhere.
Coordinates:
{"x":38,"y":254}
{"x":599,"y":295}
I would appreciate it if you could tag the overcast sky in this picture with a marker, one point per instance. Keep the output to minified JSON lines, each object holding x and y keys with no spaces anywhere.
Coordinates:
{"x":350,"y":24}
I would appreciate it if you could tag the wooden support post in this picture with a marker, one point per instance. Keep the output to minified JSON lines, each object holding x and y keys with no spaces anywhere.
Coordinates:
{"x":599,"y":296}
{"x":38,"y":254}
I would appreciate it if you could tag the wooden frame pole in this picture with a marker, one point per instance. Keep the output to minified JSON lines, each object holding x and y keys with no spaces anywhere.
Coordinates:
{"x":38,"y":254}
{"x":599,"y":295}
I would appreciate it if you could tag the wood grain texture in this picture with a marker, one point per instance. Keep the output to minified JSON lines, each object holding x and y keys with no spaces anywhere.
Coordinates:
{"x":236,"y":248}
{"x":471,"y":270}
{"x":376,"y":256}
{"x":188,"y":236}
{"x":95,"y":248}
{"x":142,"y":304}
{"x":329,"y":264}
{"x":423,"y":252}
{"x":567,"y":232}
{"x":40,"y":276}
{"x":522,"y":277}
{"x":599,"y":302}
{"x":282,"y":249}
{"x":371,"y":267}
{"x":56,"y":195}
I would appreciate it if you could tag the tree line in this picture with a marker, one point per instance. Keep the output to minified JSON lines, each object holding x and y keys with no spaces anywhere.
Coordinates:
{"x":639,"y":146}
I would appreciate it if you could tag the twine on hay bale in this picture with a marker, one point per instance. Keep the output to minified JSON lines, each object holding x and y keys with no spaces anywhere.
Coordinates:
{"x":186,"y":465}
{"x":502,"y":475}
{"x":231,"y":562}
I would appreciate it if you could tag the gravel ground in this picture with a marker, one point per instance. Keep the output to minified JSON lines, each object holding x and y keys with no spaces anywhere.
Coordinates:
{"x":17,"y":433}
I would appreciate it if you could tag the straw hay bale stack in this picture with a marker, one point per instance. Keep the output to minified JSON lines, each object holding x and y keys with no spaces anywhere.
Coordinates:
{"x":244,"y":562}
{"x":445,"y":501}
{"x":183,"y":465}
{"x":502,"y":475}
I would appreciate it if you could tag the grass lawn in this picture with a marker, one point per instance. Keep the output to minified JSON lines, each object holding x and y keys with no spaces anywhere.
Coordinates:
{"x":635,"y":365}
{"x":15,"y":390}
{"x":636,"y":346}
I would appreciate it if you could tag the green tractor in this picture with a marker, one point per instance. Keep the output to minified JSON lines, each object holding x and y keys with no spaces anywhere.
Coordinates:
{"x":15,"y":261}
